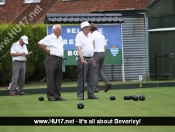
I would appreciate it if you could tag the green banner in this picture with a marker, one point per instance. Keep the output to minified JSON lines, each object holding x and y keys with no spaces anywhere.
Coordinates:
{"x":109,"y":58}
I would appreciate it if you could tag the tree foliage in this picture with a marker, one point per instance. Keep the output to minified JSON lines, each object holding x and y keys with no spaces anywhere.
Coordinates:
{"x":35,"y":70}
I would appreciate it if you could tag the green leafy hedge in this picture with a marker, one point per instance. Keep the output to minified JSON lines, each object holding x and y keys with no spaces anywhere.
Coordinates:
{"x":35,"y":70}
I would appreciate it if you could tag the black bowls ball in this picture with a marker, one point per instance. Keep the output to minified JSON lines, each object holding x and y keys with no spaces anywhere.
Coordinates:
{"x":80,"y":105}
{"x":135,"y":98}
{"x":41,"y":98}
{"x":127,"y":97}
{"x":142,"y":97}
{"x":112,"y":98}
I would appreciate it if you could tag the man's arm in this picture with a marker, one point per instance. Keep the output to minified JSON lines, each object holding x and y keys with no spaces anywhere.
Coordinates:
{"x":105,"y":47}
{"x":18,"y":54}
{"x":80,"y":55}
{"x":44,"y":48}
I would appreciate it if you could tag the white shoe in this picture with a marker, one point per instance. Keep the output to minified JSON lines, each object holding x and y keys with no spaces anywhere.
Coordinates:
{"x":9,"y":87}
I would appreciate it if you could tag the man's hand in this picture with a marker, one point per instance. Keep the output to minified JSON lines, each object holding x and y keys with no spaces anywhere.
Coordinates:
{"x":83,"y":62}
{"x":94,"y":64}
{"x":23,"y":54}
{"x":48,"y":52}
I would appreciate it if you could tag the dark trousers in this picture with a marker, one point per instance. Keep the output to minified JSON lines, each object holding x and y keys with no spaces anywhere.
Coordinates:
{"x":88,"y":76}
{"x":53,"y":67}
{"x":99,"y":57}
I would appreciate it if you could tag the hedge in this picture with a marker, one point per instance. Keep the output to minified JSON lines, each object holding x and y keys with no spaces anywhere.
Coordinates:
{"x":35,"y":70}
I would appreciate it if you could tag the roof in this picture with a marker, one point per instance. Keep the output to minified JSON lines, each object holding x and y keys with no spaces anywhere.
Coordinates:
{"x":78,"y":18}
{"x":151,"y":3}
{"x":125,"y":12}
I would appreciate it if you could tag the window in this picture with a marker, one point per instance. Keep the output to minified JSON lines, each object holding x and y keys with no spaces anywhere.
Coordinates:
{"x":32,"y":1}
{"x":2,"y":2}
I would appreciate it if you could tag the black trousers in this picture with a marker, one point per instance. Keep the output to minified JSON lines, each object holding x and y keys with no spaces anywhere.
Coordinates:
{"x":53,"y":67}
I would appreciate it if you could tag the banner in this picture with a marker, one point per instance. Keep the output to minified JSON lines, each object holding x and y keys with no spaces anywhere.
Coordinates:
{"x":98,"y":121}
{"x":111,"y":32}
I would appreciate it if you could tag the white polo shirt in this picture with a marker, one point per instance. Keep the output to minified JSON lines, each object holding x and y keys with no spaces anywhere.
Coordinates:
{"x":54,"y":44}
{"x":17,"y":48}
{"x":86,"y":43}
{"x":99,"y":42}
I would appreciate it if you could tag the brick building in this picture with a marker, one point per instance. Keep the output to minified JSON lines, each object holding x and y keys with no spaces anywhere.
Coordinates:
{"x":134,"y":28}
{"x":32,"y":11}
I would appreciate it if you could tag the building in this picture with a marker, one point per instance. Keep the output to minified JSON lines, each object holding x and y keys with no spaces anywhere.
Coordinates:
{"x":161,"y":16}
{"x":134,"y":29}
{"x":32,"y":11}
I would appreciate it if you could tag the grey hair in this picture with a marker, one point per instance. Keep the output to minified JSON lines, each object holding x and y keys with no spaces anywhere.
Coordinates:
{"x":55,"y":26}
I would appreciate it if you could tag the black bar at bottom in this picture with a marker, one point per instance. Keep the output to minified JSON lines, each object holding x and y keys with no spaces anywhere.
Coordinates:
{"x":98,"y":121}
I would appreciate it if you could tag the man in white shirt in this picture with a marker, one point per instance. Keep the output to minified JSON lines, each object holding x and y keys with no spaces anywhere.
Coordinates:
{"x":53,"y":46}
{"x":84,"y":44}
{"x":99,"y":57}
{"x":19,"y":53}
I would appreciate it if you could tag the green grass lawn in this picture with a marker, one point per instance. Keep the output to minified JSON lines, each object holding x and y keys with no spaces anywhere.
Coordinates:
{"x":159,"y":102}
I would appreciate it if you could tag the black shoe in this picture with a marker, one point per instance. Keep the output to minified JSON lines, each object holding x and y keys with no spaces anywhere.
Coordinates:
{"x":52,"y":99}
{"x":60,"y":99}
{"x":12,"y":93}
{"x":80,"y":98}
{"x":96,"y":91}
{"x":93,"y":97}
{"x":22,"y":93}
{"x":108,"y":86}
